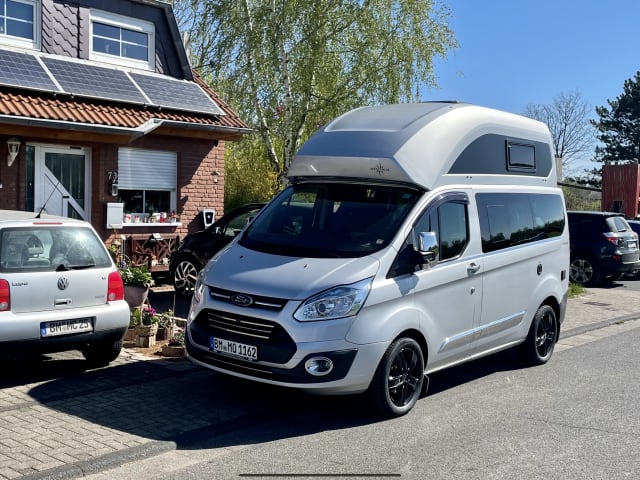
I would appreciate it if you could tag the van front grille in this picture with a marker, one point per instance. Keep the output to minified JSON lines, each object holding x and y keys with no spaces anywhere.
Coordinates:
{"x":252,"y":301}
{"x":272,"y":341}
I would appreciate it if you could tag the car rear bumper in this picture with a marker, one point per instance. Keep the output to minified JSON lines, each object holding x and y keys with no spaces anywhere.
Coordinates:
{"x":21,"y":333}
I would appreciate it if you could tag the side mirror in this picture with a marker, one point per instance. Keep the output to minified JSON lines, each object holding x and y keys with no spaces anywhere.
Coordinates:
{"x":428,"y":245}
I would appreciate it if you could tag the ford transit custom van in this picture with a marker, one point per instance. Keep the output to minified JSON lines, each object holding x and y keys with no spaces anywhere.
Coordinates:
{"x":411,"y":238}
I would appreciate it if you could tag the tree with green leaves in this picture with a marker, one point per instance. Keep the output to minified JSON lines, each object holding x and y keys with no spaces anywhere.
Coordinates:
{"x":619,"y":125}
{"x":287,"y":67}
{"x":568,"y":120}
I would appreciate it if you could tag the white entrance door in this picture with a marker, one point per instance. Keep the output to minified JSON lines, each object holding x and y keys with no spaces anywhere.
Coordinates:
{"x":62,"y":185}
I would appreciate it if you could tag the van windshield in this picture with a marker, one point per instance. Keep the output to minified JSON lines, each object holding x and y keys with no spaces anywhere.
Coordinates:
{"x":330,"y":220}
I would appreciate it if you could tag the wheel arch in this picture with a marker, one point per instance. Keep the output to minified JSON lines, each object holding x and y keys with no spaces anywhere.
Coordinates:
{"x":419,"y":338}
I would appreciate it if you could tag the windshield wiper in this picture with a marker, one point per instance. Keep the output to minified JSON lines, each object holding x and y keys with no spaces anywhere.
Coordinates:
{"x":63,"y":267}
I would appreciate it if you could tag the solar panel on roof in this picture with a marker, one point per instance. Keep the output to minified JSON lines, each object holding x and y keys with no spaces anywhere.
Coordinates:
{"x":177,"y":94}
{"x":23,"y":70}
{"x":91,"y":81}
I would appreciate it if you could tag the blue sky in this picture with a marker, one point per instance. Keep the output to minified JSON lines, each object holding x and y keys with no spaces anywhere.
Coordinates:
{"x":518,"y":52}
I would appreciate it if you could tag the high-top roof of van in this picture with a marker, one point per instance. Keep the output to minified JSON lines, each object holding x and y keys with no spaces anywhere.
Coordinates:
{"x":429,"y":144}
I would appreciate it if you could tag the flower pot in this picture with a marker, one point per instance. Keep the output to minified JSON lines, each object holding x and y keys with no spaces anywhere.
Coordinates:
{"x":135,"y":296}
{"x":173,"y":351}
{"x":147,"y":330}
{"x":130,"y":335}
{"x":165,"y":333}
{"x":145,"y":342}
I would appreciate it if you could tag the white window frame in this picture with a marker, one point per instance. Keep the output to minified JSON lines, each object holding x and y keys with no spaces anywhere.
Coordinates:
{"x":30,"y":43}
{"x":127,"y":23}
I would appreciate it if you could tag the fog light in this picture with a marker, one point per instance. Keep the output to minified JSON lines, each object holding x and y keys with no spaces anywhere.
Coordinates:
{"x":318,"y":366}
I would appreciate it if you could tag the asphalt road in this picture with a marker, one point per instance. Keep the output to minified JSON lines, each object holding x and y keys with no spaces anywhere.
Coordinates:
{"x":575,"y":418}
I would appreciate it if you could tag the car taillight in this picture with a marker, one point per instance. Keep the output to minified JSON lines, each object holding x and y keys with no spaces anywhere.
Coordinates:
{"x":5,"y":296}
{"x":116,"y":287}
{"x":613,"y":238}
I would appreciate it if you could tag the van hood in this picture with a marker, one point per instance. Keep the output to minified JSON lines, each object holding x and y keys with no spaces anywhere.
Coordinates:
{"x":294,"y":278}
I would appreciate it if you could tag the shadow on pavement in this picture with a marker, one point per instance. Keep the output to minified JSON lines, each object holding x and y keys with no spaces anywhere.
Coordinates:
{"x":189,"y":405}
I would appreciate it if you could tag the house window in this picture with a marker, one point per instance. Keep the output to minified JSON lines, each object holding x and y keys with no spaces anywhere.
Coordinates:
{"x":122,"y":40}
{"x":20,"y":23}
{"x":142,"y":192}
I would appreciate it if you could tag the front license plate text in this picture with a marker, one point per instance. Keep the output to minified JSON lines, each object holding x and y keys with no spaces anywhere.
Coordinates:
{"x":220,"y":345}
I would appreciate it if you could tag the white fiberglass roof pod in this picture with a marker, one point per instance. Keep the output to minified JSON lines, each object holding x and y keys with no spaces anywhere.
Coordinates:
{"x":430,"y":144}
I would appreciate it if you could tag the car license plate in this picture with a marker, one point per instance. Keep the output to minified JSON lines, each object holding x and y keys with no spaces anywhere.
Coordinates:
{"x":220,"y":345}
{"x":65,"y":327}
{"x":631,"y":244}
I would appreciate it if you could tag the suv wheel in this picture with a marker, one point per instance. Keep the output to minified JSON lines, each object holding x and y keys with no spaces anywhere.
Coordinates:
{"x":101,"y":354}
{"x":584,"y":271}
{"x":185,"y":276}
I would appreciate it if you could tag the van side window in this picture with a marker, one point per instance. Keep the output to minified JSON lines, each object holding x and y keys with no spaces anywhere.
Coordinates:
{"x":509,"y":219}
{"x":449,"y":221}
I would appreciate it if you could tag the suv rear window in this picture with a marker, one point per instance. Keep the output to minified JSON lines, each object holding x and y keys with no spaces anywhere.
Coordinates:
{"x":618,"y":224}
{"x":50,"y":248}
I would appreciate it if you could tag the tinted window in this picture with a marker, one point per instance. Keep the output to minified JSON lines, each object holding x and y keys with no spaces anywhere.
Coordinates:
{"x":618,"y":224}
{"x":508,"y":219}
{"x":449,"y":221}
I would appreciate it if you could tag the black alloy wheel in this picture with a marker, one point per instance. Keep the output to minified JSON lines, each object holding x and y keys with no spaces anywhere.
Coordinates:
{"x":398,"y":381}
{"x":542,"y":338}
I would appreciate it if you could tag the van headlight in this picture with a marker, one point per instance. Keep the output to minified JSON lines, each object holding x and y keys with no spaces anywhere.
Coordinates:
{"x":337,"y":302}
{"x":198,"y":290}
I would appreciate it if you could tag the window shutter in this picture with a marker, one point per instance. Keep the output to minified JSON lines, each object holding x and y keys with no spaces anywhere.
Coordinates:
{"x":140,"y":169}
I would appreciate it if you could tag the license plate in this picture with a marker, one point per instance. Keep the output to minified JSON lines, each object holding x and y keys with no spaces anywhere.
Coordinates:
{"x":220,"y":345}
{"x":631,"y":244}
{"x":65,"y":327}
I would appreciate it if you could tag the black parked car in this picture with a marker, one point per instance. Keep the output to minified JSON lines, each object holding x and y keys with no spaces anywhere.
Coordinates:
{"x":197,"y":248}
{"x":603,"y":247}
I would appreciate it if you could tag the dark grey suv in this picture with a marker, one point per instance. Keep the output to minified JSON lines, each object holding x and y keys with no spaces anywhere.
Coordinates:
{"x":603,"y":247}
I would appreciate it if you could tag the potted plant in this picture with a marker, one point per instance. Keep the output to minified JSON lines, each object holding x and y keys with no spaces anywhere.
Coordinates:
{"x":175,"y":347}
{"x":137,"y":280}
{"x":147,"y":326}
{"x":166,"y":326}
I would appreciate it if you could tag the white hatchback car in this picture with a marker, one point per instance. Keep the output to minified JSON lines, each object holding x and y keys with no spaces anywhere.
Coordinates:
{"x":59,"y":289}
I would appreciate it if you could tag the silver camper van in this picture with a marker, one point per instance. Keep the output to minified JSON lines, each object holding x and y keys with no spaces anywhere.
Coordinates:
{"x":411,"y":238}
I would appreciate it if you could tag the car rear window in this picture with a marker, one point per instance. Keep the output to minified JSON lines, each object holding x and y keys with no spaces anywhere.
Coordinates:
{"x":51,"y":248}
{"x":618,"y":224}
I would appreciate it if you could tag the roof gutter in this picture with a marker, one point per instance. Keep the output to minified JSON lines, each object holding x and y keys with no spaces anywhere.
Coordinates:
{"x":145,"y":129}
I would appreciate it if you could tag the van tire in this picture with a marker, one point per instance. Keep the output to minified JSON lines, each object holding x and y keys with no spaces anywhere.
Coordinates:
{"x":397,"y":383}
{"x":584,"y":271}
{"x":543,"y":335}
{"x":101,"y":354}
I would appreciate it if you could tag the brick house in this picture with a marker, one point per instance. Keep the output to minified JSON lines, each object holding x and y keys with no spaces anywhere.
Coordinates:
{"x":105,"y":120}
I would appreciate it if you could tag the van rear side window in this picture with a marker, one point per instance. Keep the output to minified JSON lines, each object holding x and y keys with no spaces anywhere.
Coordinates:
{"x":509,"y":219}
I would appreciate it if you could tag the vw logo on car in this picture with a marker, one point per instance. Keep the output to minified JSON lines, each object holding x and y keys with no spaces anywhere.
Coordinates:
{"x":241,"y":300}
{"x":63,"y":283}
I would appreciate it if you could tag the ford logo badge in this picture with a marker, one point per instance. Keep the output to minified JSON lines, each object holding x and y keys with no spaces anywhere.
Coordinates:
{"x":241,"y":300}
{"x":63,"y":283}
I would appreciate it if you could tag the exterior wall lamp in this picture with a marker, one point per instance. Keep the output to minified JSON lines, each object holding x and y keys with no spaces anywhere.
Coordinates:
{"x":112,"y":180}
{"x":14,"y":147}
